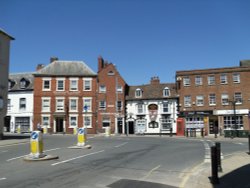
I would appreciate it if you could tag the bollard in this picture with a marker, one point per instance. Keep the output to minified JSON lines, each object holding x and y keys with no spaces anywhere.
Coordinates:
{"x":82,"y":136}
{"x":75,"y":131}
{"x":107,"y":131}
{"x":19,"y":129}
{"x":171,"y":132}
{"x":36,"y":145}
{"x":45,"y":130}
{"x":218,"y":147}
{"x":214,"y":165}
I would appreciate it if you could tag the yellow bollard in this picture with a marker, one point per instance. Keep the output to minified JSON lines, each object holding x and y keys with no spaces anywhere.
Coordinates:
{"x":45,"y":130}
{"x":75,"y":131}
{"x":36,"y":145}
{"x":19,"y":129}
{"x":82,"y":136}
{"x":107,"y":131}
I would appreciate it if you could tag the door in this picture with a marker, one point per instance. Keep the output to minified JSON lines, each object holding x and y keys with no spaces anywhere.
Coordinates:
{"x":131,"y":127}
{"x":119,"y":125}
{"x":59,"y":125}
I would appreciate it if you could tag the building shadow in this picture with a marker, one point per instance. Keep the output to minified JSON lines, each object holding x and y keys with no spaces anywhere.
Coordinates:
{"x":15,"y":136}
{"x":238,"y":178}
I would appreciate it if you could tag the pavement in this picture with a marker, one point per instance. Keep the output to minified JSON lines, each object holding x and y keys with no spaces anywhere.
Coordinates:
{"x":235,"y":167}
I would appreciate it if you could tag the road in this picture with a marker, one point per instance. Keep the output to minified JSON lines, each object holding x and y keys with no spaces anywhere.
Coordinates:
{"x":116,"y":161}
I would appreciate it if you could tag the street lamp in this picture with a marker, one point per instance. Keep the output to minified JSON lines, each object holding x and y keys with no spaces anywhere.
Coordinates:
{"x":234,"y":111}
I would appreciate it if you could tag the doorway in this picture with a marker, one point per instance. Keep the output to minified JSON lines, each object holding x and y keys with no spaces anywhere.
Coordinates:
{"x":130,"y":127}
{"x":59,"y":124}
{"x":119,"y":125}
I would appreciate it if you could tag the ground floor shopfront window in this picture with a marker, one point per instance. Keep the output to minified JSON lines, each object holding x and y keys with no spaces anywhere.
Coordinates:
{"x":229,"y":122}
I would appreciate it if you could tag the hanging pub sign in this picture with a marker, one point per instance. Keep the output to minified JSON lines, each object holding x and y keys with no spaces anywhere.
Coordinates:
{"x":153,"y":111}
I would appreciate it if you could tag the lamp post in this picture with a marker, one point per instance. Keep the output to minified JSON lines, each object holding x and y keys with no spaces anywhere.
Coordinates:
{"x":235,"y":123}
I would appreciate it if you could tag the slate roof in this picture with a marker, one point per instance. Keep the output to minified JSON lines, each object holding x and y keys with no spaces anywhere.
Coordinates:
{"x":16,"y":78}
{"x":66,"y":68}
{"x":152,"y":91}
{"x":6,"y":34}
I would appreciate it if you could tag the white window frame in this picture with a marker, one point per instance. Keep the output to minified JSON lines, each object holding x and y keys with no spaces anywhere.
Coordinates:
{"x":71,"y":121}
{"x":199,"y":100}
{"x":187,"y":101}
{"x":186,"y":81}
{"x":138,"y":93}
{"x":102,"y":89}
{"x":198,"y":80}
{"x":46,"y":105}
{"x":224,"y":99}
{"x":87,"y":101}
{"x":236,"y":78}
{"x":238,"y":98}
{"x":48,"y":121}
{"x":102,"y":105}
{"x":57,"y":84}
{"x":61,"y":105}
{"x":87,"y":87}
{"x":47,"y":80}
{"x":165,"y":105}
{"x":212,"y":99}
{"x":70,"y":104}
{"x":22,"y":103}
{"x":72,"y":86}
{"x":89,"y":116}
{"x":119,"y":89}
{"x":211,"y":80}
{"x":223,"y":79}
{"x":166,"y":92}
{"x":119,"y":107}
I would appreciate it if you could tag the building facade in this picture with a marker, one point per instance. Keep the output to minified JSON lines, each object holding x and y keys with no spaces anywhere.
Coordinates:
{"x":20,"y":103}
{"x":151,"y":108}
{"x":214,"y":100}
{"x":4,"y":74}
{"x":65,"y":97}
{"x":111,"y":91}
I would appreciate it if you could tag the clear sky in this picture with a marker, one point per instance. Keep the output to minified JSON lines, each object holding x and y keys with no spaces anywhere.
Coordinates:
{"x":143,"y":38}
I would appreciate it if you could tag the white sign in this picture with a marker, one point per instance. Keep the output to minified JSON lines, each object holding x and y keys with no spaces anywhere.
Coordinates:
{"x":227,"y":112}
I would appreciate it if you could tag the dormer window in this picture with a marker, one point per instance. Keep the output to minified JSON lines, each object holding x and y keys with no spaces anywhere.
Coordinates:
{"x":11,"y":84}
{"x":111,"y":73}
{"x":166,"y":92}
{"x":138,"y":93}
{"x":23,"y":83}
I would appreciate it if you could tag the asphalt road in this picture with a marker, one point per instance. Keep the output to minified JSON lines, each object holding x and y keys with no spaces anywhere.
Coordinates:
{"x":117,"y":161}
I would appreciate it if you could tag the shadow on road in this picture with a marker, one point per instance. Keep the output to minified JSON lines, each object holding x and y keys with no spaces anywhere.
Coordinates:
{"x":15,"y":136}
{"x":237,"y":178}
{"x":126,"y":183}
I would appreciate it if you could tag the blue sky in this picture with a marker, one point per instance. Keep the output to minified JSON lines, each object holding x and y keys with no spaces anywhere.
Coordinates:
{"x":143,"y":38}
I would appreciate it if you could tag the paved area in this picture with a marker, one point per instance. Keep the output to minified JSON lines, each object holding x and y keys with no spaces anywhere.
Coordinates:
{"x":236,"y":167}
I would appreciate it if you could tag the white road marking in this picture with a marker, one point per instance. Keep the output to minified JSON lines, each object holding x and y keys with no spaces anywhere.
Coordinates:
{"x":4,"y":151}
{"x":2,"y":179}
{"x":120,"y":145}
{"x":28,"y":154}
{"x":14,"y":144}
{"x":150,"y":172}
{"x":54,"y":164}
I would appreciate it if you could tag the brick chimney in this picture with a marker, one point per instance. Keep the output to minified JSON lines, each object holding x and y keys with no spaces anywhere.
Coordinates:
{"x":155,"y":80}
{"x":39,"y":66}
{"x":100,"y":63}
{"x":52,"y":59}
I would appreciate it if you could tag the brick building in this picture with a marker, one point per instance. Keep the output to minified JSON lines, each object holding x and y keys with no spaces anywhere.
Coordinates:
{"x":65,"y":96}
{"x":111,"y":91}
{"x":215,"y":99}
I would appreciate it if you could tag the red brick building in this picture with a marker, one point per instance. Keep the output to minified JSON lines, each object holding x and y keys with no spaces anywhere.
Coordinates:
{"x":215,"y":99}
{"x":111,"y":91}
{"x":65,"y":96}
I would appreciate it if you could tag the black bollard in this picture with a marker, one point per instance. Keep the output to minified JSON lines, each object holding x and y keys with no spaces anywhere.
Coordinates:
{"x":214,"y":166}
{"x":171,"y":132}
{"x":217,"y":144}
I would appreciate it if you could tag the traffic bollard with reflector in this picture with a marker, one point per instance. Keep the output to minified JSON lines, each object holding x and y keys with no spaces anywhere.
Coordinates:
{"x":75,"y":130}
{"x":36,"y":144}
{"x":82,"y":136}
{"x":45,"y":130}
{"x":107,"y":131}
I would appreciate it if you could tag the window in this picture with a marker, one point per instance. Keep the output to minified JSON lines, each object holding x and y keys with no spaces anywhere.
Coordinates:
{"x":200,"y":100}
{"x":153,"y":124}
{"x":102,"y":89}
{"x":60,"y":105}
{"x":73,"y":104}
{"x":73,"y":121}
{"x":73,"y":84}
{"x":106,"y":121}
{"x":111,"y":73}
{"x":165,"y":107}
{"x":236,"y":77}
{"x":102,"y":105}
{"x":46,"y":121}
{"x":198,"y":80}
{"x":119,"y":105}
{"x":60,"y":85}
{"x":87,"y":107}
{"x":187,"y":100}
{"x":87,"y":121}
{"x":9,"y":104}
{"x":194,"y":122}
{"x":212,"y":99}
{"x":166,"y":122}
{"x":23,"y":83}
{"x":140,"y":108}
{"x":211,"y":80}
{"x":22,"y":103}
{"x":166,"y":92}
{"x":138,"y":93}
{"x":11,"y":84}
{"x":238,"y":98}
{"x":45,"y":104}
{"x":87,"y":84}
{"x":224,"y":99}
{"x":119,"y":89}
{"x":46,"y":84}
{"x":229,"y":122}
{"x":223,"y":79}
{"x":186,"y":81}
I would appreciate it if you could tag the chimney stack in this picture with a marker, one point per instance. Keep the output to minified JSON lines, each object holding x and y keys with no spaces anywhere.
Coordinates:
{"x":100,"y":63}
{"x":52,"y":59}
{"x":155,"y":80}
{"x":39,"y":66}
